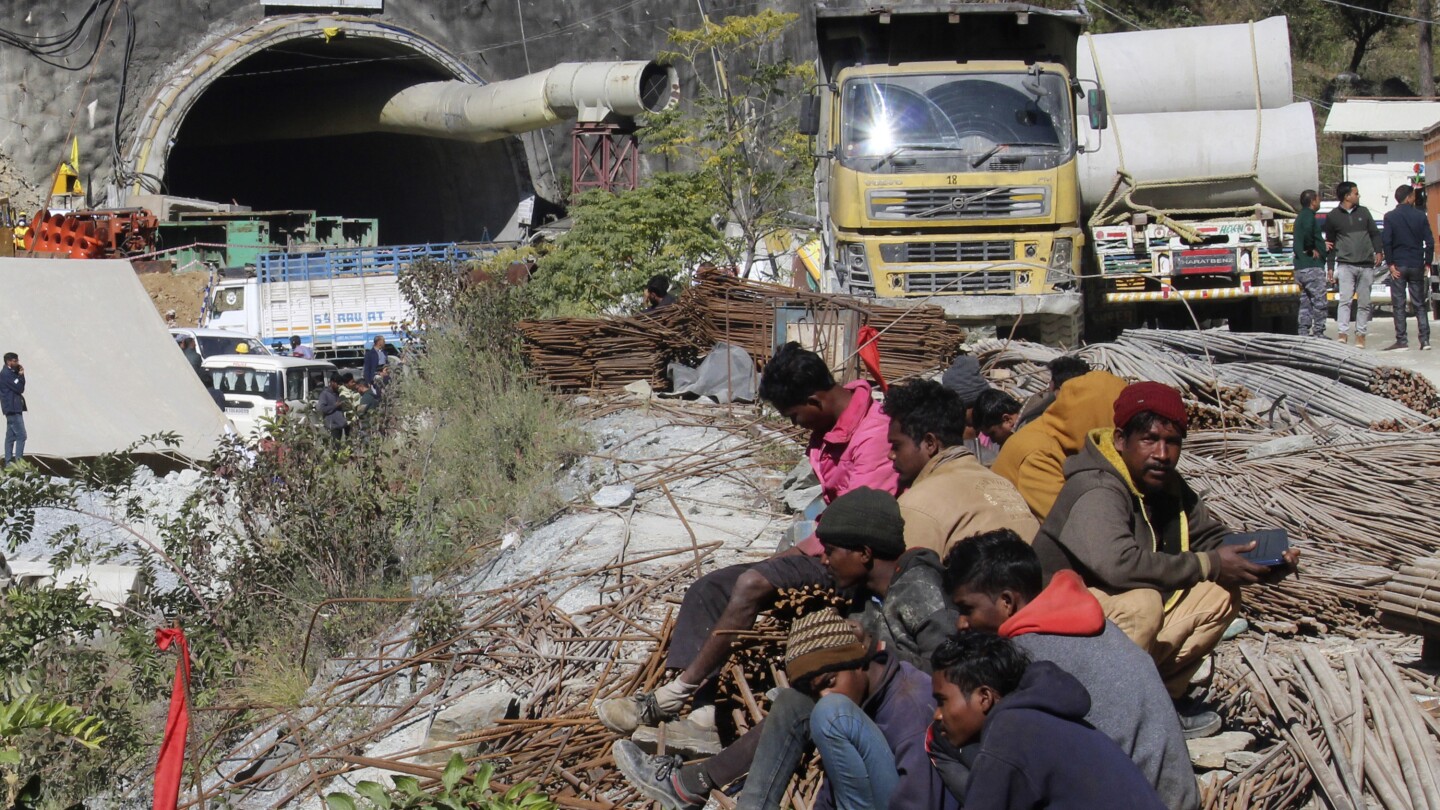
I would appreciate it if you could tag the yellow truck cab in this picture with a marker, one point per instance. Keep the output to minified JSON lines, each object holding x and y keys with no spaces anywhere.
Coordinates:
{"x":947,"y":137}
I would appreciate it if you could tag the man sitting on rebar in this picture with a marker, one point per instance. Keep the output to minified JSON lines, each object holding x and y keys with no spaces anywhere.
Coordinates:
{"x":1143,"y":540}
{"x":848,"y":450}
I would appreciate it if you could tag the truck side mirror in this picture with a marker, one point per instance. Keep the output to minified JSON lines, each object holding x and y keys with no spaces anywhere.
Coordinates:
{"x":809,"y":115}
{"x":1099,"y":112}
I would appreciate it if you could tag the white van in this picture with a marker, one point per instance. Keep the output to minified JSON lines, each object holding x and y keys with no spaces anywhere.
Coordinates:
{"x":255,"y":386}
{"x":219,"y":341}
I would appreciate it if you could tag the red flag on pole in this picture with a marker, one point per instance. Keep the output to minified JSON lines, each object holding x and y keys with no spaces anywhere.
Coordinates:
{"x":869,"y":338}
{"x":171,"y":765}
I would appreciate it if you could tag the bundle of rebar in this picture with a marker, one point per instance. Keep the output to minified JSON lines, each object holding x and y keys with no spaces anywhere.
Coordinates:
{"x":1354,"y":367}
{"x":1410,"y":601}
{"x":573,"y":354}
{"x":1344,"y":726}
{"x":1353,"y":503}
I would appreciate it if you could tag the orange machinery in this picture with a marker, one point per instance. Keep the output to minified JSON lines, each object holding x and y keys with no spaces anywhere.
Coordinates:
{"x":102,"y":233}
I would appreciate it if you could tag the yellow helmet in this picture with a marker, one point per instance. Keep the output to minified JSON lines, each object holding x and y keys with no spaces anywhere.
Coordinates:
{"x":242,"y":348}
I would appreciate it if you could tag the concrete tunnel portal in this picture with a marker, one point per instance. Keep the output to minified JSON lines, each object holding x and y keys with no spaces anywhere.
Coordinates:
{"x":254,"y":129}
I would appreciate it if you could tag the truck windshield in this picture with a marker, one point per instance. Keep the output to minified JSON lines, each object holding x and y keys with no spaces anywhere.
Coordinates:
{"x":946,"y":121}
{"x":229,"y":345}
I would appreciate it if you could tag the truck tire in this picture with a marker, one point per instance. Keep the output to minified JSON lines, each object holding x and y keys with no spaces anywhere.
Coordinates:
{"x":1060,"y":331}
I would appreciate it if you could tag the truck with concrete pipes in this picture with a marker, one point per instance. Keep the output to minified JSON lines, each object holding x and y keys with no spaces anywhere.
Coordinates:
{"x":969,"y":158}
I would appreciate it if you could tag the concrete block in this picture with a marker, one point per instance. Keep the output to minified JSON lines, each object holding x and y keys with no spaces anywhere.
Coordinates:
{"x":1210,"y":752}
{"x":798,"y":500}
{"x":476,"y":711}
{"x":613,"y":496}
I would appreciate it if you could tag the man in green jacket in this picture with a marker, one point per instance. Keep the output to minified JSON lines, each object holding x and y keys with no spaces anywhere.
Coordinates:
{"x":1310,"y":266}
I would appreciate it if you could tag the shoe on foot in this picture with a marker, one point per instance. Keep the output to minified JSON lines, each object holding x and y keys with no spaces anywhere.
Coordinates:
{"x":685,"y":737}
{"x":1359,"y":341}
{"x":1343,"y":338}
{"x":1424,"y":347}
{"x":1195,"y":720}
{"x":656,"y":777}
{"x":1394,"y":347}
{"x":624,"y":715}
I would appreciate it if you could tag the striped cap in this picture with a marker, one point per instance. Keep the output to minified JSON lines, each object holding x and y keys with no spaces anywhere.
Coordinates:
{"x":822,"y":641}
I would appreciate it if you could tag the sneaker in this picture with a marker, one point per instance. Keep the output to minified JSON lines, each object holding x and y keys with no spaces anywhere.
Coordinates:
{"x":1359,"y":341}
{"x":685,"y":737}
{"x":1394,"y":347}
{"x":1424,"y":347}
{"x":624,"y":715}
{"x":1343,"y":338}
{"x":656,"y":777}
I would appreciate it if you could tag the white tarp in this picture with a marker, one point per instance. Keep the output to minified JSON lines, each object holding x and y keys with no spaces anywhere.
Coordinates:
{"x":101,"y":369}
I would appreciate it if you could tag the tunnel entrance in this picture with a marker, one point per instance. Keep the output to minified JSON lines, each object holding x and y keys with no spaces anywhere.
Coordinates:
{"x":256,"y":135}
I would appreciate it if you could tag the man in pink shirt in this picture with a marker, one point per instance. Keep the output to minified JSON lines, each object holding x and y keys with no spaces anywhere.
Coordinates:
{"x":848,"y":448}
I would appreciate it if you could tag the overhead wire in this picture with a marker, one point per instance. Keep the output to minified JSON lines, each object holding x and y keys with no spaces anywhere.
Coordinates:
{"x":54,"y":49}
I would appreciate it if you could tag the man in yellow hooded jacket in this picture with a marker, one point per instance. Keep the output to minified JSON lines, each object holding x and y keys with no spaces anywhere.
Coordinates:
{"x":1034,"y":458}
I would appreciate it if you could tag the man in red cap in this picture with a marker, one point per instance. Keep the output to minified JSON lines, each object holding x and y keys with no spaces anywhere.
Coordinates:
{"x":1143,"y":540}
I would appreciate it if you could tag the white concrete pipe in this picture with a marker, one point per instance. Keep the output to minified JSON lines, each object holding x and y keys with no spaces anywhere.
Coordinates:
{"x":1180,"y":145}
{"x":1191,"y":69}
{"x":585,"y":91}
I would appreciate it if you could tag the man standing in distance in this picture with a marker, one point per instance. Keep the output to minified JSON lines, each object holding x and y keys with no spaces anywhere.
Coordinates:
{"x":1351,"y":233}
{"x":1409,"y":248}
{"x":12,"y":403}
{"x":1310,"y":267}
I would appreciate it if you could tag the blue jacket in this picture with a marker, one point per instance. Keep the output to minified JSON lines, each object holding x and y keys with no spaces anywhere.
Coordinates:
{"x":902,"y":708}
{"x":12,"y":392}
{"x":1036,"y":750}
{"x":372,"y":364}
{"x":1407,"y":238}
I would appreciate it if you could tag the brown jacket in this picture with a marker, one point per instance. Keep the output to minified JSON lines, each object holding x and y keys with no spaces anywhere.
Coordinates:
{"x":955,"y":497}
{"x":1117,"y":540}
{"x":1034,"y":458}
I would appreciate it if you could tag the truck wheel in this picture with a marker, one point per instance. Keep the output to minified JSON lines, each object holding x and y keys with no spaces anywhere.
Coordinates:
{"x":1061,"y":331}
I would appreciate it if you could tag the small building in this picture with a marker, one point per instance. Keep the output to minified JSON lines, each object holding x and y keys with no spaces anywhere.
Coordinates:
{"x":1382,"y":140}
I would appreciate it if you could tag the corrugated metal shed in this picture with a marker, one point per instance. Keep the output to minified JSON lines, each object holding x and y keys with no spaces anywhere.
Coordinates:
{"x":1382,"y":118}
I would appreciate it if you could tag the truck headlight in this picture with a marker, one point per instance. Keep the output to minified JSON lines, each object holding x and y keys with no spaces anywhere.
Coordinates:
{"x":1062,"y":262}
{"x":855,"y":268}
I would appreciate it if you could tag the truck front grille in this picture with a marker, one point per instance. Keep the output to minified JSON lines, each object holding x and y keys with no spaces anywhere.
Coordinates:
{"x":959,"y":203}
{"x":1000,"y":250}
{"x":976,"y":281}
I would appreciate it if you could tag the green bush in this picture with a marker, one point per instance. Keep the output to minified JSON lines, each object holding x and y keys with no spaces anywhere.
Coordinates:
{"x":460,"y":787}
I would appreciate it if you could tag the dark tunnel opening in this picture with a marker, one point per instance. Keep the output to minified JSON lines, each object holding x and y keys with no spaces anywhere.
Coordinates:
{"x":257,"y":137}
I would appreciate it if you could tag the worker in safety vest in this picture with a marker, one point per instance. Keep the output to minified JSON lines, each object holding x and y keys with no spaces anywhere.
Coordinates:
{"x":22,"y":227}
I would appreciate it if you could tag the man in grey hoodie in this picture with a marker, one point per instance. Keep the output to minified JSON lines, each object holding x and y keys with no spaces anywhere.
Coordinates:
{"x":1353,"y":239}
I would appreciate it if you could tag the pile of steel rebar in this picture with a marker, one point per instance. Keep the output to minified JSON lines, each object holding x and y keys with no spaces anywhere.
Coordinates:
{"x":1341,"y":723}
{"x":574,"y":354}
{"x":1219,"y":372}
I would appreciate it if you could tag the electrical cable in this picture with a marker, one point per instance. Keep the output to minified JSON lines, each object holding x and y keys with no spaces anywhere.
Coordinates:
{"x":52,"y":49}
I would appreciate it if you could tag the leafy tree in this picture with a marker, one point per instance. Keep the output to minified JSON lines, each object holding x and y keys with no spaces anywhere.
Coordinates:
{"x":620,"y":240}
{"x":740,"y":128}
{"x":1362,"y":25}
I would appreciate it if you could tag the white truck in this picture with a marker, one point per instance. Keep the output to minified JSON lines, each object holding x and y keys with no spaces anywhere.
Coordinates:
{"x":335,"y":301}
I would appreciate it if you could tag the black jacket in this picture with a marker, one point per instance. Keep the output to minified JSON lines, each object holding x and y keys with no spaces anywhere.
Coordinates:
{"x":1036,"y":750}
{"x":916,"y":615}
{"x":1407,"y":238}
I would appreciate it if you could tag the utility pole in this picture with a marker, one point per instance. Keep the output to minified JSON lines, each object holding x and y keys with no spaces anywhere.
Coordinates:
{"x":1424,"y":11}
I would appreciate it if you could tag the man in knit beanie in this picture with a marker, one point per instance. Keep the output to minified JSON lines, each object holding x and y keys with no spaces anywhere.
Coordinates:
{"x":863,"y":536}
{"x":865,"y":711}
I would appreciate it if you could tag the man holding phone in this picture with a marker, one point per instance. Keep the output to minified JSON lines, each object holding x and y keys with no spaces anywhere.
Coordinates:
{"x":1144,"y":541}
{"x":12,"y":403}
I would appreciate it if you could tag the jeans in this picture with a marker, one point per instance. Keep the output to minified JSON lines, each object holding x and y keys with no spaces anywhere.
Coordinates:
{"x":1412,"y":279}
{"x":1355,"y":280}
{"x":1314,"y":309}
{"x":783,"y":742}
{"x":15,"y":436}
{"x":857,"y":759}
